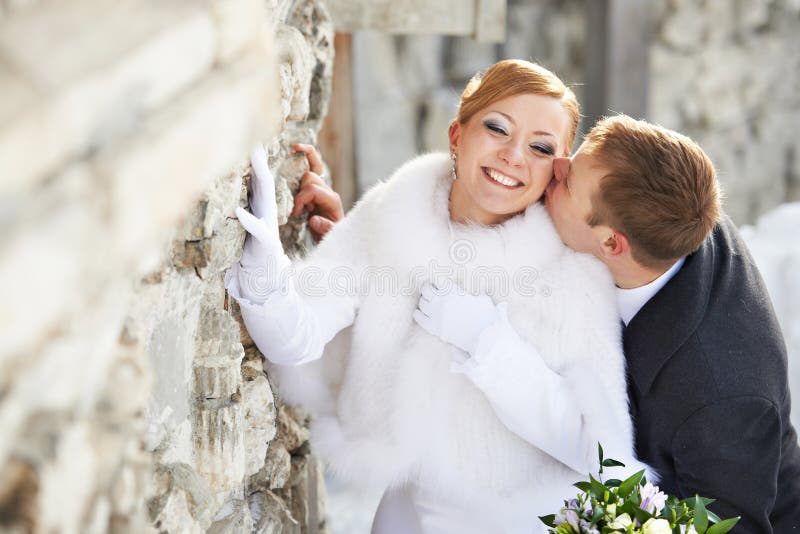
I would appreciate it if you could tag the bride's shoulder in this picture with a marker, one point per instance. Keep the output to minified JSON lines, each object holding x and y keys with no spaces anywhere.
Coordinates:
{"x":416,"y":179}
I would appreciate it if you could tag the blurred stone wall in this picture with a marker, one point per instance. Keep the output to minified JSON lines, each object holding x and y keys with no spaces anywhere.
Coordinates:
{"x":776,"y":250}
{"x":725,"y":73}
{"x":131,"y":399}
{"x":728,"y":75}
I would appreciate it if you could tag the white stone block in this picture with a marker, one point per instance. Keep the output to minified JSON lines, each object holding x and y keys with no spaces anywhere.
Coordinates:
{"x":73,"y":363}
{"x":219,"y":447}
{"x":18,"y":96}
{"x":67,"y":483}
{"x":238,"y":23}
{"x":52,"y":258}
{"x":158,"y":174}
{"x":297,"y":63}
{"x":260,"y":416}
{"x":95,"y":80}
{"x":163,"y":319}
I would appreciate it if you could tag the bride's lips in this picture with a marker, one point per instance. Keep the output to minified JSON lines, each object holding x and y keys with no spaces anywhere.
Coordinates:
{"x":486,"y":175}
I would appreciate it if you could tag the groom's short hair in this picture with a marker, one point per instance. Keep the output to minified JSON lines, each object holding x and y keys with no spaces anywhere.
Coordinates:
{"x":660,"y":190}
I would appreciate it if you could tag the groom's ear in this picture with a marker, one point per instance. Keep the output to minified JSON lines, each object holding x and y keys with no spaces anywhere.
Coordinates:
{"x":615,"y":244}
{"x":453,"y":134}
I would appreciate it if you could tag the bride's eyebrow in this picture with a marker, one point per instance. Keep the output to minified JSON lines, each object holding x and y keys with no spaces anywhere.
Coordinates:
{"x":537,"y":132}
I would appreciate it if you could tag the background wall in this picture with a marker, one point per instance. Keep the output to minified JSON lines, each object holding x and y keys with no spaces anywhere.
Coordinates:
{"x":725,"y":73}
{"x":130,"y":398}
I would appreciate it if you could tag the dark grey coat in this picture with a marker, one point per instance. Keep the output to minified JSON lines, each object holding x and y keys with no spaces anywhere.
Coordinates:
{"x":708,"y":389}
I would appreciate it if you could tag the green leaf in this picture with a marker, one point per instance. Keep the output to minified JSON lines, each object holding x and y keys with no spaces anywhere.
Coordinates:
{"x":548,"y":520}
{"x":700,"y":515}
{"x":689,"y":501}
{"x":613,"y":482}
{"x":630,"y":483}
{"x":600,"y":452}
{"x":723,"y":526}
{"x":610,"y":462}
{"x":641,"y":515}
{"x":714,"y":518}
{"x":597,"y":488}
{"x":583,"y":486}
{"x":598,"y":513}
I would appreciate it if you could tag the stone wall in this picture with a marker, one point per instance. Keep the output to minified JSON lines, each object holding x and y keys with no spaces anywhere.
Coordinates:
{"x":728,"y":74}
{"x":131,"y":400}
{"x":776,"y":250}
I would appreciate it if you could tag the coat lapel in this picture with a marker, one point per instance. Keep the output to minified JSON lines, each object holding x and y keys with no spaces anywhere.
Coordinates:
{"x":668,"y":319}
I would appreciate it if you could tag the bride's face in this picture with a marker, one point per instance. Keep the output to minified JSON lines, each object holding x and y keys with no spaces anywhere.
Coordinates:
{"x":505,"y":154}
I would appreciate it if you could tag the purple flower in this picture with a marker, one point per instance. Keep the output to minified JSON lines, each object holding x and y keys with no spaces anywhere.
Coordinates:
{"x":653,"y":500}
{"x":572,"y":518}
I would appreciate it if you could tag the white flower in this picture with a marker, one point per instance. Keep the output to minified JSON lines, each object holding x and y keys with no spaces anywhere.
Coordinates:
{"x":656,"y":526}
{"x":690,"y":530}
{"x":621,"y":521}
{"x":653,"y":500}
{"x":611,"y":510}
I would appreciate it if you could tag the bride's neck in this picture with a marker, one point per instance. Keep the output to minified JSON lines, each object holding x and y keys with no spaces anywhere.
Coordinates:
{"x":463,"y":209}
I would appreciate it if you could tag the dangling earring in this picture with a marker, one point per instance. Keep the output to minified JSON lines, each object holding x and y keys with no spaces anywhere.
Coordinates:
{"x":453,"y":168}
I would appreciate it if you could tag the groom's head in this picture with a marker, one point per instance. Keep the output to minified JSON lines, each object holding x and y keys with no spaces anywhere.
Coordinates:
{"x":635,"y":189}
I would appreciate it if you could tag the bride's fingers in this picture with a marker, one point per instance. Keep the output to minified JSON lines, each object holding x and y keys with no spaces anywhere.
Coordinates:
{"x":425,"y":306}
{"x":429,"y":292}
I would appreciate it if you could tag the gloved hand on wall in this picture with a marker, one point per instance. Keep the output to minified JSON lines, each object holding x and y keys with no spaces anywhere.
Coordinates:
{"x":263,"y":260}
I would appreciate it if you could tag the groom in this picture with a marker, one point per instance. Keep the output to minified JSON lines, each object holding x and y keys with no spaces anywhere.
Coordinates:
{"x":706,"y":359}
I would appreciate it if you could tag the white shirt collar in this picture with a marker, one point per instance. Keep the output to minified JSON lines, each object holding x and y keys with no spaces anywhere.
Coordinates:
{"x":630,"y":301}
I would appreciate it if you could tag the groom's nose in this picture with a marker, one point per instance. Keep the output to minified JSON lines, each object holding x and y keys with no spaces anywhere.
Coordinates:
{"x":561,"y":168}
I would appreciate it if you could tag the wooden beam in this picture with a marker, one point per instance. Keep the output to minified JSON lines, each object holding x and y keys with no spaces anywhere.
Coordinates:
{"x":336,"y":135}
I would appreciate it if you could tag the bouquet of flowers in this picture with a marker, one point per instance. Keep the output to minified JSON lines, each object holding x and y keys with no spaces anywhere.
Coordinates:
{"x":633,"y":505}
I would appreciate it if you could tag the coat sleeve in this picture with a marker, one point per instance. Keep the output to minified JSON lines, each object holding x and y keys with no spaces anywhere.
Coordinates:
{"x":730,"y":451}
{"x":549,"y":409}
{"x":318,"y":297}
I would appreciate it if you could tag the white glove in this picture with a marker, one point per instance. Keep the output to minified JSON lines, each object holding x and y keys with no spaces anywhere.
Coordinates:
{"x":454,"y":316}
{"x":263,"y":260}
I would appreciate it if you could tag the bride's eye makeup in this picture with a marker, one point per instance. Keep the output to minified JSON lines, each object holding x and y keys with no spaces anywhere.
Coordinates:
{"x":495,"y":127}
{"x":543,"y":148}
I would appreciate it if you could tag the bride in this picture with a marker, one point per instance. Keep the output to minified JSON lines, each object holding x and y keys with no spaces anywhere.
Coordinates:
{"x":458,"y":443}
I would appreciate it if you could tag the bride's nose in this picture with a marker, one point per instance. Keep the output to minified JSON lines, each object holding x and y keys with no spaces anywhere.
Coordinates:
{"x":511,"y":154}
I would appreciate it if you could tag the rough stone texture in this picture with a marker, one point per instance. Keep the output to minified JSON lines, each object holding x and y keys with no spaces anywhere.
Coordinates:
{"x":131,"y":397}
{"x":727,"y":74}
